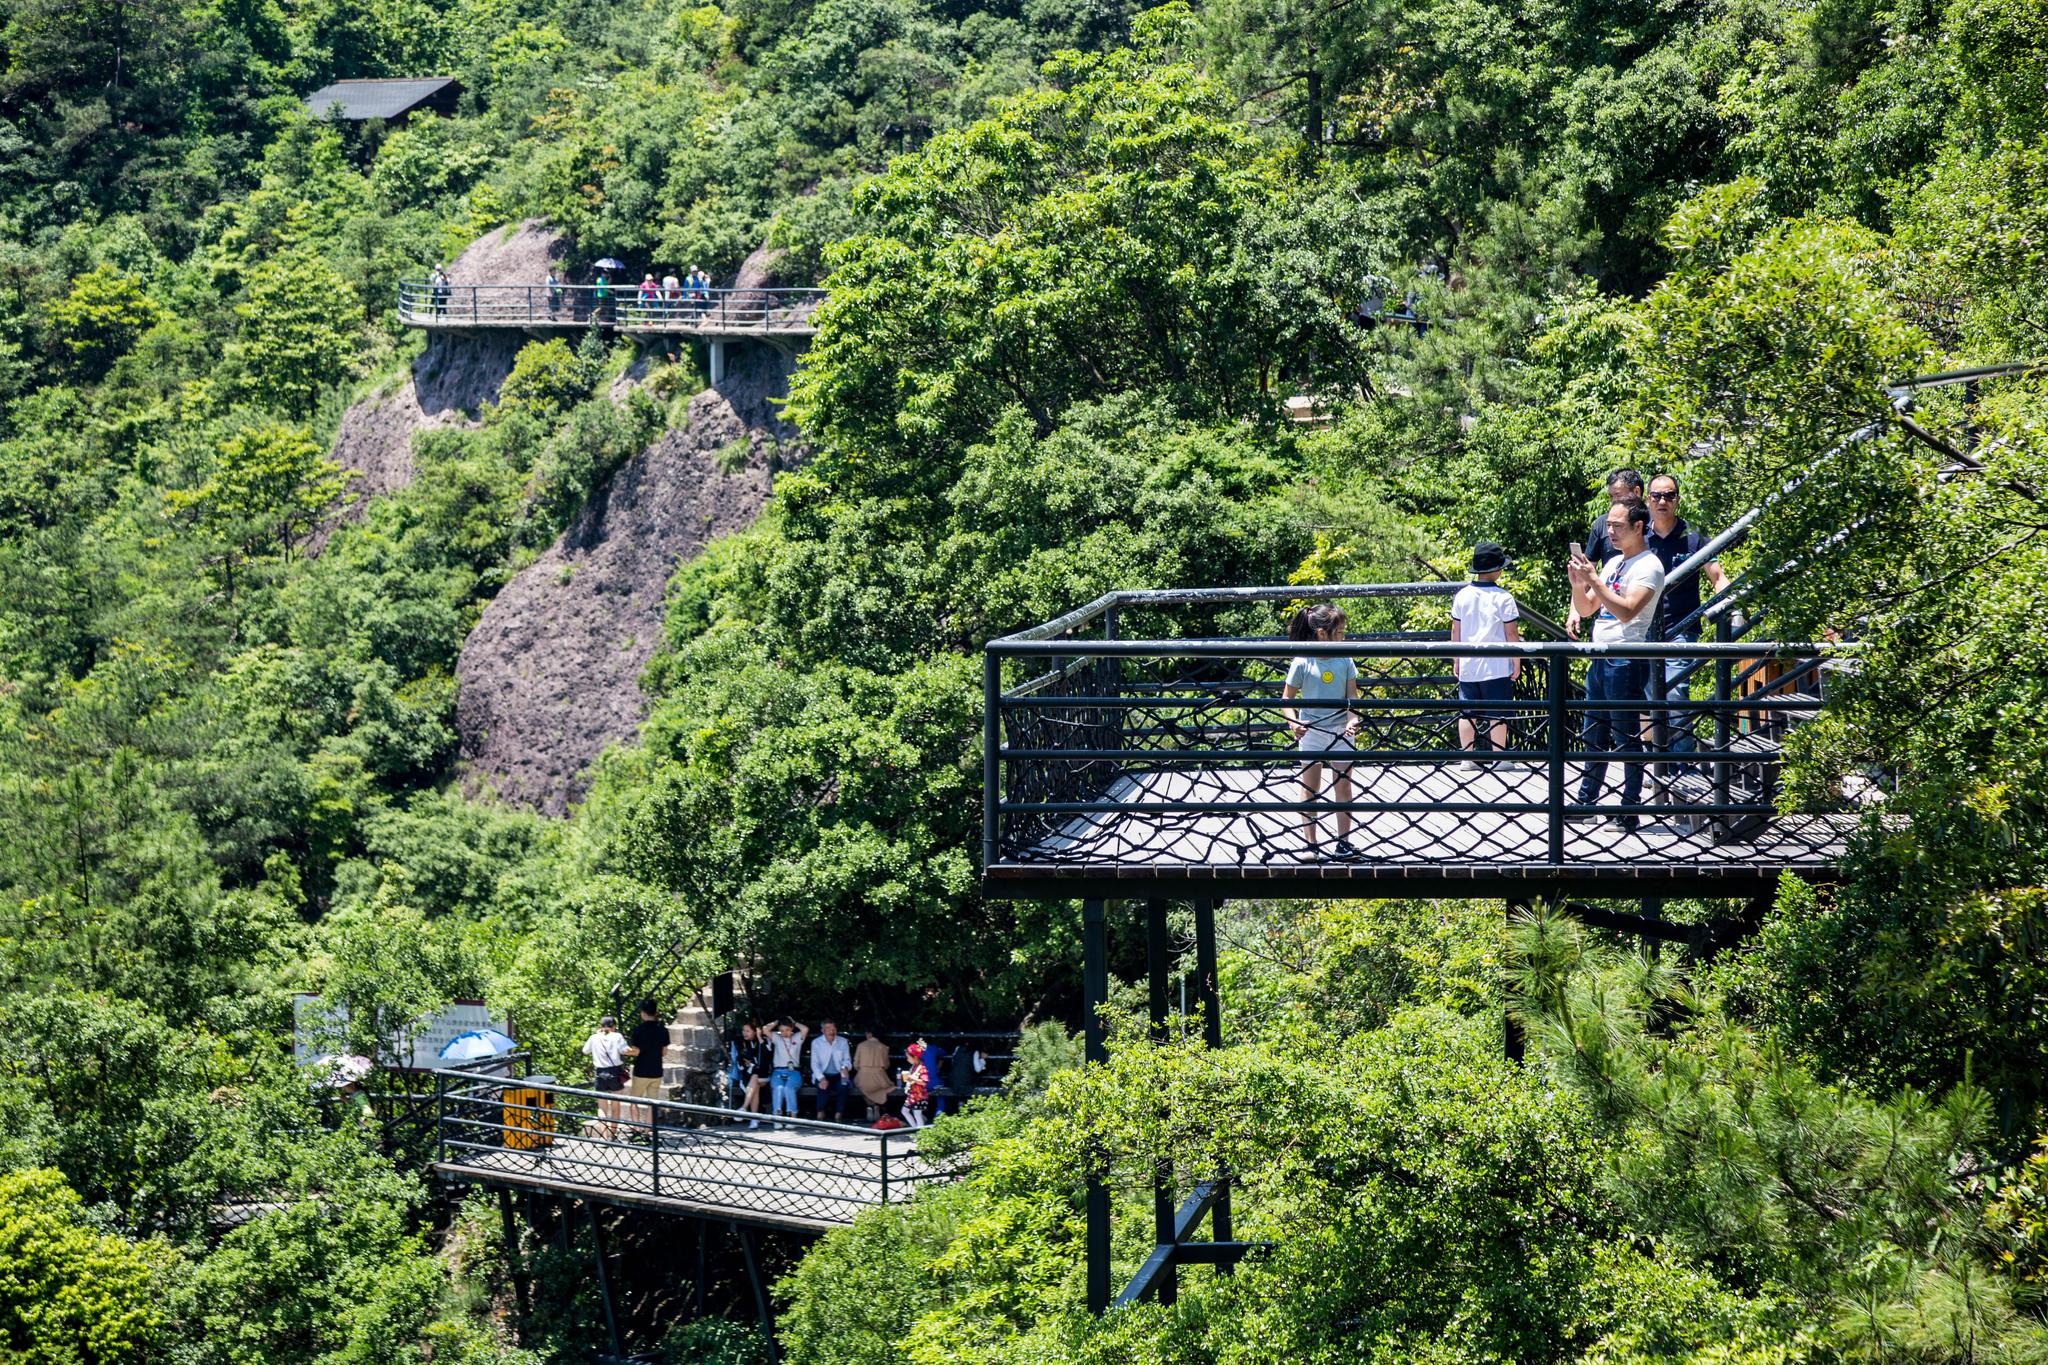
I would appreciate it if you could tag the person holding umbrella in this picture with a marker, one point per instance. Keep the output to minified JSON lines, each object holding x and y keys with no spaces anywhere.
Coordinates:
{"x":602,"y":294}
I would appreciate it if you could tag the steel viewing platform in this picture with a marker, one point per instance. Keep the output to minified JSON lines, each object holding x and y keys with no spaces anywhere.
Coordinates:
{"x":1163,"y":767}
{"x":531,"y":1134}
{"x":709,"y":314}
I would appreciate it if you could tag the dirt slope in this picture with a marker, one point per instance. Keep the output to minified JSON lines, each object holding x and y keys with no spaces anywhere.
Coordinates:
{"x":550,"y":675}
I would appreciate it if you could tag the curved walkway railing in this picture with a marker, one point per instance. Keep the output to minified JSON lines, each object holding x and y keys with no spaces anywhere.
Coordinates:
{"x":704,"y":312}
{"x":533,"y":1133}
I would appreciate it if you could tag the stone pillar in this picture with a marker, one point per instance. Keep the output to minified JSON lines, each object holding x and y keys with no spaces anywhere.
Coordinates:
{"x":690,"y":1064}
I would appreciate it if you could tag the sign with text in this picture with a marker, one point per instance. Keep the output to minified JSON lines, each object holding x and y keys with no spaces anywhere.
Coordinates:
{"x":319,"y":1028}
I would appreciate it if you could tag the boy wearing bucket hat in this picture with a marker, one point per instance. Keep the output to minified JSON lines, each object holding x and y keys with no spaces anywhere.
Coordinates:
{"x":1485,"y":613}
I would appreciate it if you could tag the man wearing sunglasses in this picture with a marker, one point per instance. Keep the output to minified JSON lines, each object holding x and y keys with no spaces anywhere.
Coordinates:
{"x":1673,"y":542}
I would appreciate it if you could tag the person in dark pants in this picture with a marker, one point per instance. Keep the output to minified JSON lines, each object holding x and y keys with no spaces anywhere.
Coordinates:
{"x":935,"y":1069}
{"x":1485,"y":613}
{"x":831,"y":1071}
{"x":1623,"y":485}
{"x":1674,"y":542}
{"x":1621,"y":597}
{"x":965,"y":1073}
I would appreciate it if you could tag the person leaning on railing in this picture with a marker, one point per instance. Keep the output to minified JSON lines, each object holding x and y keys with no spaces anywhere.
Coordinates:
{"x":1621,"y":597}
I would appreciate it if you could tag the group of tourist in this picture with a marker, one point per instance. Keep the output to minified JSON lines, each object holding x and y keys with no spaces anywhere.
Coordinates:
{"x":653,"y":298}
{"x":1618,"y":581}
{"x":772,"y":1060}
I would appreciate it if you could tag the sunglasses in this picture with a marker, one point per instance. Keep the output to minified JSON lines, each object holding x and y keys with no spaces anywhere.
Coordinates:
{"x":1664,"y":497}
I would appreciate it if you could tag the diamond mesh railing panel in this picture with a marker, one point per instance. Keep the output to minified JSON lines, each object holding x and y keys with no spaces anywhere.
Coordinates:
{"x":1135,"y":754}
{"x":802,"y":1172}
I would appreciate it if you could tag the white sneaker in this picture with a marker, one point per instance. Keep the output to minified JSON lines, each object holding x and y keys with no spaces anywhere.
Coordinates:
{"x":1465,"y":765}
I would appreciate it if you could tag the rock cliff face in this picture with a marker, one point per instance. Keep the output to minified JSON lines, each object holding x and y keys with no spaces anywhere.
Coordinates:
{"x":550,"y":675}
{"x":452,"y":380}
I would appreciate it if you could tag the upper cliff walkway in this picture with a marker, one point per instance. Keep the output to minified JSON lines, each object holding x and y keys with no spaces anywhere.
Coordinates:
{"x":710,"y":314}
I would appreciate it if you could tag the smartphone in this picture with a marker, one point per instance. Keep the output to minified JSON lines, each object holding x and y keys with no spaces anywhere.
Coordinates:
{"x":1576,"y":551}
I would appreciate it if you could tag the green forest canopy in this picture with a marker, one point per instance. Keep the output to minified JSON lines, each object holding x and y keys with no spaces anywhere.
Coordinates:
{"x":1696,"y":239}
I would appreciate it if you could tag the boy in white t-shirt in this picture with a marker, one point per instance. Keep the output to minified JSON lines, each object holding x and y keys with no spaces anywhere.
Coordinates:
{"x":1485,"y":613}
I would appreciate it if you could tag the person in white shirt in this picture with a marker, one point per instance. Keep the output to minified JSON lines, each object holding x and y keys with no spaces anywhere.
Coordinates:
{"x":1621,"y":597}
{"x":606,"y":1049}
{"x":1485,"y":613}
{"x":831,"y":1070}
{"x":1326,"y":730}
{"x":786,"y":1049}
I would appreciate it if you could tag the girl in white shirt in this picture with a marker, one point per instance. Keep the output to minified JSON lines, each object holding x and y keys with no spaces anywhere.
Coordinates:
{"x":1322,"y":729}
{"x":606,"y":1049}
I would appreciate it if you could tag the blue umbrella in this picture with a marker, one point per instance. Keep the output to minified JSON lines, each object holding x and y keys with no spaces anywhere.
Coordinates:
{"x":476,"y":1045}
{"x":610,"y":263}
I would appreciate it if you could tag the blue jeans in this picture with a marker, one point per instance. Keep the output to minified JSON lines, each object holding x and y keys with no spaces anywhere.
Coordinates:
{"x":1674,"y":730}
{"x":783,"y":1086}
{"x":1614,"y":732}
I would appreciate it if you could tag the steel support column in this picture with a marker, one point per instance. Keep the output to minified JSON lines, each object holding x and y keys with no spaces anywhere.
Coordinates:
{"x":512,"y":1259}
{"x":697,"y":1288}
{"x":1094,"y":995}
{"x":760,"y":1288}
{"x":1159,"y":971}
{"x":1211,"y":994}
{"x":1512,"y":1031}
{"x":604,"y":1280}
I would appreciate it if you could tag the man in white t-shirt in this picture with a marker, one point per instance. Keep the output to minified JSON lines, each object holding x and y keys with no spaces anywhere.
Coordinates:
{"x":1485,"y":613}
{"x":1621,"y":597}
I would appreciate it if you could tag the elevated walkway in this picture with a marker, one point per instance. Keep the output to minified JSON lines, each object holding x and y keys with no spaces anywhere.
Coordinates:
{"x":710,"y":314}
{"x":1135,"y":768}
{"x":529,"y":1133}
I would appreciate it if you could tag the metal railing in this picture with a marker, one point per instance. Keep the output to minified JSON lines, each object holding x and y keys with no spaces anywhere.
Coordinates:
{"x":1164,"y":752}
{"x":532,"y":1131}
{"x":422,"y":303}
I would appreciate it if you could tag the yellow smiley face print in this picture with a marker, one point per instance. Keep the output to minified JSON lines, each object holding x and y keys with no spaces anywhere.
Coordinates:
{"x":1328,"y":676}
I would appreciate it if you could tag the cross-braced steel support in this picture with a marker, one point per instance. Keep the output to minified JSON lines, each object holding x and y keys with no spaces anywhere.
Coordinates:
{"x":1174,"y":1225}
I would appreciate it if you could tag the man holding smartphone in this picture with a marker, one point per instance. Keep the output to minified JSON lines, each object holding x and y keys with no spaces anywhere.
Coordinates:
{"x":1621,"y":597}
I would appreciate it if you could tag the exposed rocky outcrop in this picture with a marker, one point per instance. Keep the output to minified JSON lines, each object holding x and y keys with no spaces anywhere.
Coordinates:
{"x":519,"y":254}
{"x":452,"y":379}
{"x":550,"y":675}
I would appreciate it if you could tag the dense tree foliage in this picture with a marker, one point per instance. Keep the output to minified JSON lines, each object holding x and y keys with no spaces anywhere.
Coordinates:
{"x":1080,"y":255}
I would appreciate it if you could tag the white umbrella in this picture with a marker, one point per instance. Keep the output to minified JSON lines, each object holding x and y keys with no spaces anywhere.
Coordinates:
{"x":476,"y":1045}
{"x":337,"y":1070}
{"x":610,"y":263}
